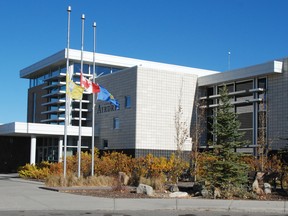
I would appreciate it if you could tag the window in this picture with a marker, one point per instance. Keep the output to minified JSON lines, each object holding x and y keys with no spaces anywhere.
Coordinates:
{"x":105,"y":144}
{"x":77,"y":68}
{"x":55,"y":72}
{"x":103,"y":70}
{"x":106,"y":70}
{"x":63,"y":69}
{"x":116,"y":123}
{"x":37,"y":81}
{"x":34,"y":107}
{"x":262,"y":83}
{"x":244,"y":85}
{"x":127,"y":102}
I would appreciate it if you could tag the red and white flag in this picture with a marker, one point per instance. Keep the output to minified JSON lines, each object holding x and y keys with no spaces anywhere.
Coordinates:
{"x":88,"y":85}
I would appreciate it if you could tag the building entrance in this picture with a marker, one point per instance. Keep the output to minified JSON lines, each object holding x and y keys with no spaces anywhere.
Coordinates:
{"x":15,"y":152}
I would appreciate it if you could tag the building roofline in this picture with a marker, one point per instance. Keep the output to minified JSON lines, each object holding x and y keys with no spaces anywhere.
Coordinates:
{"x":105,"y":59}
{"x":242,"y":73}
{"x":28,"y":129}
{"x":55,"y":58}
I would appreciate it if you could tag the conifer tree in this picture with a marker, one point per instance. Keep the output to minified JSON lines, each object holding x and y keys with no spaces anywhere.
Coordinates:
{"x":228,"y":172}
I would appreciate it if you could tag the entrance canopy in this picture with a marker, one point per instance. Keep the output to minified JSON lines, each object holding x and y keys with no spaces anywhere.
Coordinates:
{"x":28,"y":129}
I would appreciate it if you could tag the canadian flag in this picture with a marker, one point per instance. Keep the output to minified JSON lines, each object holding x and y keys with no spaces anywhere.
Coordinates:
{"x":88,"y":85}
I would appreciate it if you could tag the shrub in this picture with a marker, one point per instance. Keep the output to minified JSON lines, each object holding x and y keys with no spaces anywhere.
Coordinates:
{"x":32,"y":171}
{"x":175,"y":167}
{"x":56,"y":168}
{"x":86,"y":161}
{"x":55,"y":181}
{"x":72,"y":180}
{"x":205,"y":160}
{"x":100,"y":181}
{"x":158,"y":183}
{"x":72,"y":164}
{"x":150,"y":166}
{"x":111,"y":163}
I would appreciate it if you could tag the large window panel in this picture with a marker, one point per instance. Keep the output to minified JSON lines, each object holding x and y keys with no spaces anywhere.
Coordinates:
{"x":244,"y":85}
{"x":246,"y":120}
{"x":244,"y":109}
{"x":77,"y":68}
{"x":248,"y":136}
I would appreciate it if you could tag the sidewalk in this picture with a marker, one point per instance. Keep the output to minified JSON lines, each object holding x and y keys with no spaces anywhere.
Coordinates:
{"x":19,"y":194}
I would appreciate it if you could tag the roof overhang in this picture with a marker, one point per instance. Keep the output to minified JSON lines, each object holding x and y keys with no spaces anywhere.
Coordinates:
{"x":105,"y":60}
{"x":28,"y":129}
{"x":54,"y":60}
{"x":243,"y":73}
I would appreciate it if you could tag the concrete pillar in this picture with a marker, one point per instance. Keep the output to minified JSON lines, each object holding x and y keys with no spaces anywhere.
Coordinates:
{"x":60,"y":149}
{"x":33,"y":150}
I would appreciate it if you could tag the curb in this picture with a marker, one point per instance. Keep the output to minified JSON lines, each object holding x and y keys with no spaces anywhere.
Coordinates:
{"x":197,"y":204}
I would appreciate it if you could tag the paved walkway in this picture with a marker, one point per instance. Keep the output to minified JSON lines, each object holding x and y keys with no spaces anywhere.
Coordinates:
{"x":19,"y":194}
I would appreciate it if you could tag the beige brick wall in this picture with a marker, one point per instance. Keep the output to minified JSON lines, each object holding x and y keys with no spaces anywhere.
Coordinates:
{"x":149,"y":123}
{"x":119,"y":84}
{"x":158,"y":94}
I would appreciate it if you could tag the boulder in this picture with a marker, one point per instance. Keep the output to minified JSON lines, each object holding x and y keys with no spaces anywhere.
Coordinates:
{"x":144,"y":189}
{"x":267,"y":188}
{"x":205,"y":193}
{"x":255,"y":187}
{"x":197,"y":188}
{"x":173,"y":188}
{"x":258,"y":184}
{"x":123,"y":178}
{"x":216,"y":193}
{"x":260,"y":177}
{"x":178,"y":194}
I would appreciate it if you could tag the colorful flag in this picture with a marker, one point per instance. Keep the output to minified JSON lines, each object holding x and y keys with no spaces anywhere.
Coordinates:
{"x":74,"y":91}
{"x":104,"y":95}
{"x":88,"y":85}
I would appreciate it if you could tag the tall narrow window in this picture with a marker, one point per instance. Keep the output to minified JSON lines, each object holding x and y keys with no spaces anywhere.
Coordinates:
{"x":105,"y":144}
{"x":116,"y":123}
{"x":127,"y":102}
{"x":34,"y":108}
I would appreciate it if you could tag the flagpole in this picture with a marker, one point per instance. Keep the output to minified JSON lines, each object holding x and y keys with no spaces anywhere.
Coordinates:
{"x":93,"y":100}
{"x":67,"y":101}
{"x":80,"y":108}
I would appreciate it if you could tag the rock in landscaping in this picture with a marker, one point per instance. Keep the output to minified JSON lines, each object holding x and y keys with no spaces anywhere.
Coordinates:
{"x":205,"y":193}
{"x":123,"y":178}
{"x":197,"y":188}
{"x":173,"y":188}
{"x":267,"y":188}
{"x":178,"y":194}
{"x":144,"y":189}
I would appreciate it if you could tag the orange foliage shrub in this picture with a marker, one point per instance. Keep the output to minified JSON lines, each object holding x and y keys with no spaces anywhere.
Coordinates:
{"x":150,"y":166}
{"x":56,"y":168}
{"x":111,"y":163}
{"x":175,"y":167}
{"x":204,"y":160}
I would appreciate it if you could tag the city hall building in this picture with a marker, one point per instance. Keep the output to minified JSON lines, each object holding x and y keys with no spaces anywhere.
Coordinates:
{"x":149,"y":93}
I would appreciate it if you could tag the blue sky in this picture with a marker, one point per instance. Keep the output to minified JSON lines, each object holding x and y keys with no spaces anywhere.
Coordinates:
{"x":194,"y":33}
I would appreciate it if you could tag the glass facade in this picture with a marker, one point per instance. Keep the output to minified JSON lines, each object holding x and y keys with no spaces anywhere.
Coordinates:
{"x":249,"y":102}
{"x":54,"y":89}
{"x":47,"y":149}
{"x":55,"y":72}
